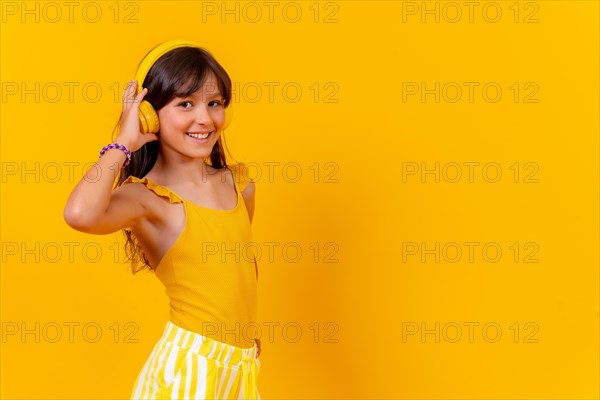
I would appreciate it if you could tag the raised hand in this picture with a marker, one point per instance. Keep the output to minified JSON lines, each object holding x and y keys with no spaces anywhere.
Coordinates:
{"x":130,"y":134}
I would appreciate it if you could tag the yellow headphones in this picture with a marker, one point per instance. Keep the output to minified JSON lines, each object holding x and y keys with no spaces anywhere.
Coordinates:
{"x":148,"y":116}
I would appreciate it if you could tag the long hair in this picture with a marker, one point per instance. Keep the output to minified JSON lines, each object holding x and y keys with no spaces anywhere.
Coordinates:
{"x":177,"y":73}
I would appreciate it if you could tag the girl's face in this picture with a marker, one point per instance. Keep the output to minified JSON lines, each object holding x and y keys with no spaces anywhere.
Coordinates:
{"x":192,"y":125}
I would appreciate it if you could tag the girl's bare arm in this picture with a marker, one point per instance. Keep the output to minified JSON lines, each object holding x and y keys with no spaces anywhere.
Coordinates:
{"x":93,"y":206}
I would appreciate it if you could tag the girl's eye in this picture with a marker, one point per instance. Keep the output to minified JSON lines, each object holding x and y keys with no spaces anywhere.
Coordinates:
{"x":185,"y":104}
{"x":215,"y":103}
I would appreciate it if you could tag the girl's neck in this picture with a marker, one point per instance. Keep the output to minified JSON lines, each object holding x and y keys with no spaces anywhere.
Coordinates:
{"x":181,"y":171}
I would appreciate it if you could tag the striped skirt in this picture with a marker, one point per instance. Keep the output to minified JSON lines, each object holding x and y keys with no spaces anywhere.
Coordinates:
{"x":187,"y":365}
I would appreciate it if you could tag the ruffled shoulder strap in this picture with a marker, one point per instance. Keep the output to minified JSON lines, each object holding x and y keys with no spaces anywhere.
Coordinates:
{"x":156,"y":188}
{"x":240,"y":175}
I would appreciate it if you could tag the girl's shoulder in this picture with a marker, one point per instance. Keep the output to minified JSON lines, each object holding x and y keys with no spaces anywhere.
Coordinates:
{"x":241,"y":174}
{"x":158,"y":189}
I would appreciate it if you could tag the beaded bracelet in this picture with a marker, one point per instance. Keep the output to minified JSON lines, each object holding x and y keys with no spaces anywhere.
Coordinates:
{"x":117,"y":146}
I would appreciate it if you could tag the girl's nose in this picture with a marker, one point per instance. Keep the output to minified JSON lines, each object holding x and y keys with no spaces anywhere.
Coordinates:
{"x":202,"y":115}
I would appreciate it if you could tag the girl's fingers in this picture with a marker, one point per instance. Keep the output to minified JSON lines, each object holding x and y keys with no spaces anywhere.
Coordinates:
{"x":129,"y":96}
{"x":131,"y":109}
{"x":128,"y":88}
{"x":129,"y":91}
{"x":141,"y":95}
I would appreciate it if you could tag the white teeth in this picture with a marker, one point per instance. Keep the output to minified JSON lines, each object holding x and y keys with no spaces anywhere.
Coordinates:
{"x":199,"y":135}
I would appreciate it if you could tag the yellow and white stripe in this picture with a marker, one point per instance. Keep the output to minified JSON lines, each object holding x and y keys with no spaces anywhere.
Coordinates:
{"x":187,"y":365}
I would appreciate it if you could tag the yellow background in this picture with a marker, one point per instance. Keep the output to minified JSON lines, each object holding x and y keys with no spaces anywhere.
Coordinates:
{"x":369,"y":214}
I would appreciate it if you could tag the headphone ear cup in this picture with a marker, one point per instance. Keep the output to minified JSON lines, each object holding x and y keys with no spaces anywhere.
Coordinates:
{"x":228,"y":116}
{"x":148,"y":118}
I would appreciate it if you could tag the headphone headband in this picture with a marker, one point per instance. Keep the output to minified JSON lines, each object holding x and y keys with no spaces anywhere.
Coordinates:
{"x":155,"y":54}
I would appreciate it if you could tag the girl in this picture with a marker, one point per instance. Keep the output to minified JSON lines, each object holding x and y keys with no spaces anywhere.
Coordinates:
{"x":186,"y":215}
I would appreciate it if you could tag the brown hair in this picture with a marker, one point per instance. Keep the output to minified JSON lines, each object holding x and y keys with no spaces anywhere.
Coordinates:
{"x":178,"y":73}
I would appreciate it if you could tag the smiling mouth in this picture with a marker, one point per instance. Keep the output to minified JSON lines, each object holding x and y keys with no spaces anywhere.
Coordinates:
{"x":199,"y":136}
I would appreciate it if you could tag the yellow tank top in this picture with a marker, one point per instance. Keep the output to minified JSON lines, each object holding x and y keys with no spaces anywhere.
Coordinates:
{"x":210,"y":273}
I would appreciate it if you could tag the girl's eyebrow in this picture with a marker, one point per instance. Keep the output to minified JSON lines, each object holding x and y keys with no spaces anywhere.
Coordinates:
{"x":191,"y":96}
